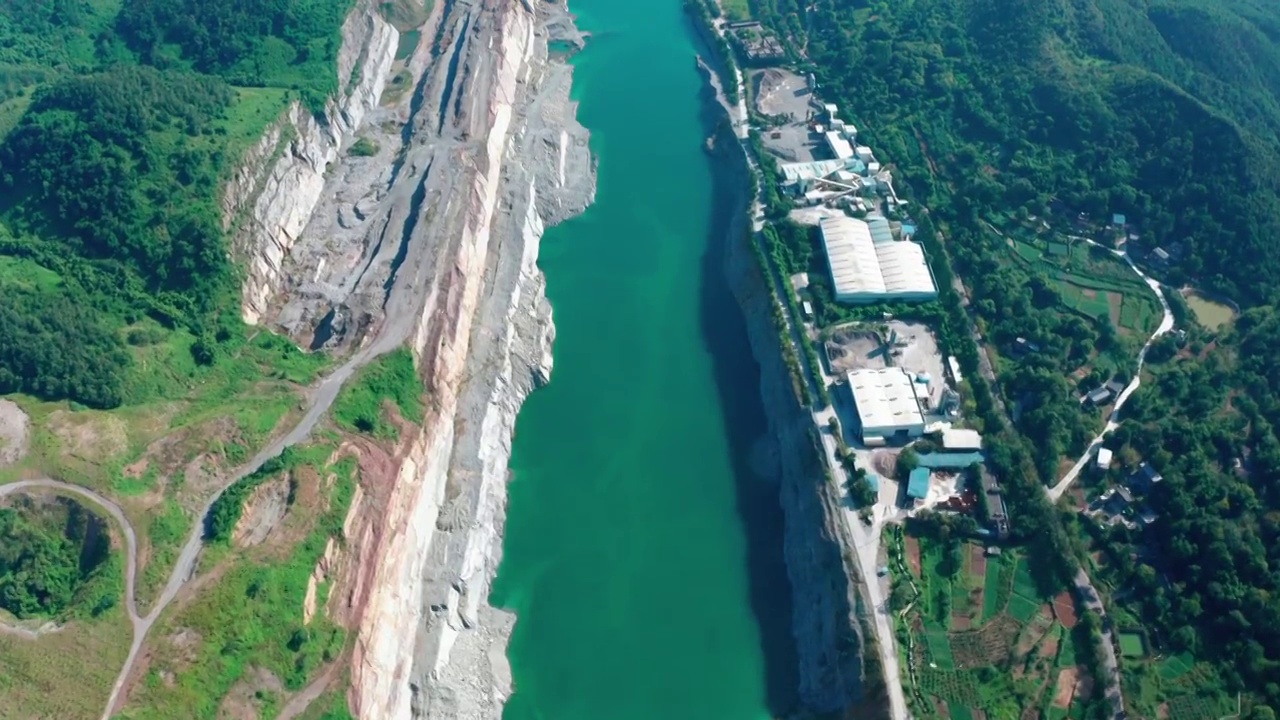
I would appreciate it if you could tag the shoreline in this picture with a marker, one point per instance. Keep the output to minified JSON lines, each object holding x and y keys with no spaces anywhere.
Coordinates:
{"x":866,"y":687}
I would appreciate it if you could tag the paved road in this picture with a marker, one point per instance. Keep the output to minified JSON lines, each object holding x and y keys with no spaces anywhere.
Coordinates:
{"x":130,"y":539}
{"x":1113,"y":422}
{"x":1109,"y":663}
{"x":1084,"y":586}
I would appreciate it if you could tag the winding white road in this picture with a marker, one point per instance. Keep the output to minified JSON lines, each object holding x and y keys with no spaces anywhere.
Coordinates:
{"x":1113,"y":421}
{"x":320,"y":397}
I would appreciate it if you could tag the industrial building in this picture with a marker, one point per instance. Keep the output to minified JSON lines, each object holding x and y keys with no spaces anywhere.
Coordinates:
{"x":918,"y":484}
{"x":1104,"y":459}
{"x":839,"y":146}
{"x":800,"y":178}
{"x":866,"y":271}
{"x":961,"y":440}
{"x":948,"y":460}
{"x":887,"y":404}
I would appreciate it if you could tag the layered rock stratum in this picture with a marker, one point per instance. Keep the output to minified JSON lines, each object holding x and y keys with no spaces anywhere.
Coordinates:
{"x":431,"y":241}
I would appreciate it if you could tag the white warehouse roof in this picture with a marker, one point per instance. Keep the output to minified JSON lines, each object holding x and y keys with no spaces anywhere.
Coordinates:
{"x":804,"y":171}
{"x":959,"y":439}
{"x":840,"y":147}
{"x":863,"y":270}
{"x":886,"y":401}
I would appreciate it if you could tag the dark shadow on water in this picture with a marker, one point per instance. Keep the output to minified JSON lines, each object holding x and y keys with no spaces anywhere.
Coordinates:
{"x":738,"y":383}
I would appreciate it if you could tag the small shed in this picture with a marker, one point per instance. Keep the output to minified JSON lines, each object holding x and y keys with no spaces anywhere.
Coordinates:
{"x":1104,"y":459}
{"x":1161,"y":254}
{"x":957,"y":439}
{"x":918,"y":484}
{"x":1100,"y":396}
{"x":1118,"y":220}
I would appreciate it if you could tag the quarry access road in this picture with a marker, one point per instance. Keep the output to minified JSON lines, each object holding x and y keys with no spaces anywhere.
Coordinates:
{"x":184,"y":569}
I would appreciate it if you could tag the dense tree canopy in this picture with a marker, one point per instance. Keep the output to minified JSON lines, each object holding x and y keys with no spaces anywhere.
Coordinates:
{"x":118,"y":122}
{"x":249,"y":42}
{"x":47,"y":553}
{"x":90,"y":162}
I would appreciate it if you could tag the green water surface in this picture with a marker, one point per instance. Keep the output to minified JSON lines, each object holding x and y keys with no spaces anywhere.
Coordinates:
{"x":642,"y":554}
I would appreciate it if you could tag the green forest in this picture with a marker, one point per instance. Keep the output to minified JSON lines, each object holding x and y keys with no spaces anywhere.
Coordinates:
{"x":1073,"y":110}
{"x":51,"y":556}
{"x":118,"y":122}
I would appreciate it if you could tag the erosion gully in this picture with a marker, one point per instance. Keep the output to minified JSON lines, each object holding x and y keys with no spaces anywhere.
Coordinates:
{"x":643,"y":555}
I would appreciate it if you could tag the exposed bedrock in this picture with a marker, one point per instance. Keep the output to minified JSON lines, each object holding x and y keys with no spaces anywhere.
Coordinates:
{"x":430,"y":241}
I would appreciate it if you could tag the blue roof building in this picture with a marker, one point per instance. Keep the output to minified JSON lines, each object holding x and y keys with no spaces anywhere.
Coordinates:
{"x":874,"y":481}
{"x":949,"y":461}
{"x":1117,"y":219}
{"x":918,"y":483}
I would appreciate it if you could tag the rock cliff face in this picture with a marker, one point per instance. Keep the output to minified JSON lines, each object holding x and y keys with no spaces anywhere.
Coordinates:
{"x":432,"y":242}
{"x":839,"y":668}
{"x":482,"y":339}
{"x":270,"y":199}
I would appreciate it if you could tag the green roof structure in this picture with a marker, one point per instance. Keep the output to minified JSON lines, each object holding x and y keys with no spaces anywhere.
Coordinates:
{"x":918,"y":483}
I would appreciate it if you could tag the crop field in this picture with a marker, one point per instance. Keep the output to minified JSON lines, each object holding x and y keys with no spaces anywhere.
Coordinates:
{"x":966,"y":672}
{"x":1175,"y":666}
{"x":1022,"y":609}
{"x":956,"y":688}
{"x":1131,"y":644}
{"x":1092,"y":282}
{"x":997,"y":588}
{"x":939,"y":649}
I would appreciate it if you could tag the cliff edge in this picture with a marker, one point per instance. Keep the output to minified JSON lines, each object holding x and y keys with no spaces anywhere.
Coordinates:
{"x":428,"y":236}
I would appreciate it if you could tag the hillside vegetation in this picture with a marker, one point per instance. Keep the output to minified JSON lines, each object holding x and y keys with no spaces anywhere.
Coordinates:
{"x":1002,"y":113}
{"x":1164,"y":111}
{"x":118,"y":122}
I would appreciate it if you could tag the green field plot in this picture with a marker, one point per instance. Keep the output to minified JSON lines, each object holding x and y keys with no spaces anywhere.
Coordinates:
{"x":1023,"y":583}
{"x":1028,"y":252}
{"x":992,"y":602}
{"x":939,"y":649}
{"x":1087,"y":301}
{"x":1058,"y":249}
{"x":1139,"y":312}
{"x":1023,"y":609}
{"x":1132,"y":645}
{"x":957,"y":688}
{"x":1066,"y":650}
{"x":1206,"y":706}
{"x":1175,"y":666}
{"x":959,"y":712}
{"x":736,"y":10}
